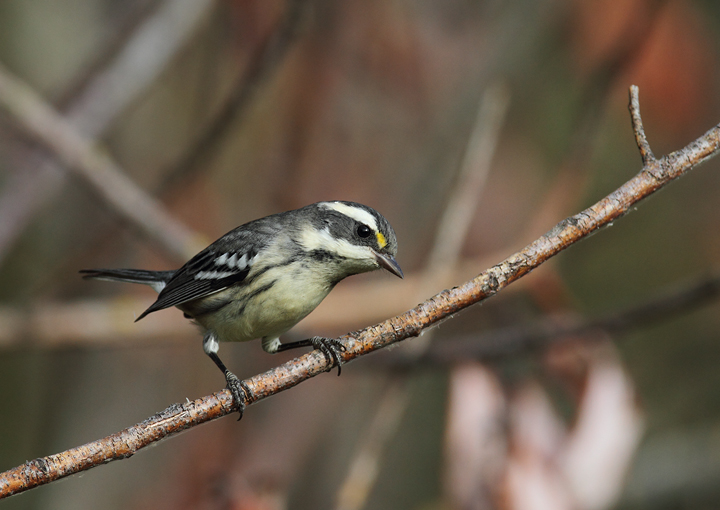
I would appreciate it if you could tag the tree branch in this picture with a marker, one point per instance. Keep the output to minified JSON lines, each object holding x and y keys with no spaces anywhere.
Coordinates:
{"x":655,"y":174}
{"x":646,"y":152}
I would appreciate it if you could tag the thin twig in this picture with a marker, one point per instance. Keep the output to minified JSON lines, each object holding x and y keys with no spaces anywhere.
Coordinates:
{"x":40,"y":121}
{"x":640,"y":139}
{"x":412,"y":323}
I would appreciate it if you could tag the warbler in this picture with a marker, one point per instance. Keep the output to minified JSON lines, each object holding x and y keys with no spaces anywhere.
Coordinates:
{"x":263,"y":277}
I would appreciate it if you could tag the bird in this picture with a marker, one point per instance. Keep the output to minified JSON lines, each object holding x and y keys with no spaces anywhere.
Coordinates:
{"x":263,"y":277}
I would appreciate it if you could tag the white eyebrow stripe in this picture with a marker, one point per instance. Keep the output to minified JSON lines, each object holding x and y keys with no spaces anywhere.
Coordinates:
{"x":322,"y":240}
{"x":353,"y":212}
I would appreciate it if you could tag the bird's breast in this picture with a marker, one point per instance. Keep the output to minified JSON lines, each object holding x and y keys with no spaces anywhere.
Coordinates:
{"x":276,"y":301}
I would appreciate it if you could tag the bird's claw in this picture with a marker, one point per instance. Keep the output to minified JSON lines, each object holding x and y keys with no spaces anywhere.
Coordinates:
{"x":331,"y":348}
{"x":239,"y":390}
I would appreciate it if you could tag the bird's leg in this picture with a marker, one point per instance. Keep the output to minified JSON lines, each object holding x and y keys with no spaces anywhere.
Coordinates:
{"x":330,"y":347}
{"x":239,"y":390}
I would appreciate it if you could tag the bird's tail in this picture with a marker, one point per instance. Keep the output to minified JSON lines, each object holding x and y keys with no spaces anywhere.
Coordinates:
{"x":155,"y":279}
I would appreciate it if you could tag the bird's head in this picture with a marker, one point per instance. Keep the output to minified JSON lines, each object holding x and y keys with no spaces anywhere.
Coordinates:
{"x":354,"y":236}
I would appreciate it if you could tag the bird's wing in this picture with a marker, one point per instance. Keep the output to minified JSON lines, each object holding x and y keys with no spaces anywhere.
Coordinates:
{"x":224,"y":263}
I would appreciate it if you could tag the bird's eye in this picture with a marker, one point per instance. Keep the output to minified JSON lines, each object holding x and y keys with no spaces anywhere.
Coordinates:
{"x":363,"y":231}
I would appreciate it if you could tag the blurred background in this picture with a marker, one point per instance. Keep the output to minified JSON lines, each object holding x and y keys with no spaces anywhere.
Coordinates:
{"x":474,"y":126}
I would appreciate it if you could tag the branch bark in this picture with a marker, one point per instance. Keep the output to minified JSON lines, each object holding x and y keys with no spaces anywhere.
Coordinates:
{"x":655,"y":174}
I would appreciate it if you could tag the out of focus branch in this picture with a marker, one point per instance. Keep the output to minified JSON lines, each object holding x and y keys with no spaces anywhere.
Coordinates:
{"x":122,"y":80}
{"x":94,"y":166}
{"x":138,"y":64}
{"x":109,"y":321}
{"x":456,"y":220}
{"x":96,"y":323}
{"x":655,"y":174}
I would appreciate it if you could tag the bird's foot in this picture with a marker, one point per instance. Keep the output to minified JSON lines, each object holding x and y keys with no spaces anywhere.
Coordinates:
{"x":331,"y":348}
{"x":240,"y":391}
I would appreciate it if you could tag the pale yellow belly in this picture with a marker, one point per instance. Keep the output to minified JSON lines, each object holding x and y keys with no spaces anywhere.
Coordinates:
{"x":271,"y":313}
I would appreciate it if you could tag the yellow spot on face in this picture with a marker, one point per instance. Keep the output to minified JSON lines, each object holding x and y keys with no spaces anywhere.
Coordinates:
{"x":381,"y":240}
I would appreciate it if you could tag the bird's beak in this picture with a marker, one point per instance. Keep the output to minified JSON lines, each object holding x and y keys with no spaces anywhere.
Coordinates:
{"x":389,"y":263}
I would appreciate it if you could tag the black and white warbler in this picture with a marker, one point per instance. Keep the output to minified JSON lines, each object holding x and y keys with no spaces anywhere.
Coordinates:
{"x":262,"y":278}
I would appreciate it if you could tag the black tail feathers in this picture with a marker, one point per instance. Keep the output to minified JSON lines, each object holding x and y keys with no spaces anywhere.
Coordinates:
{"x":155,"y":279}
